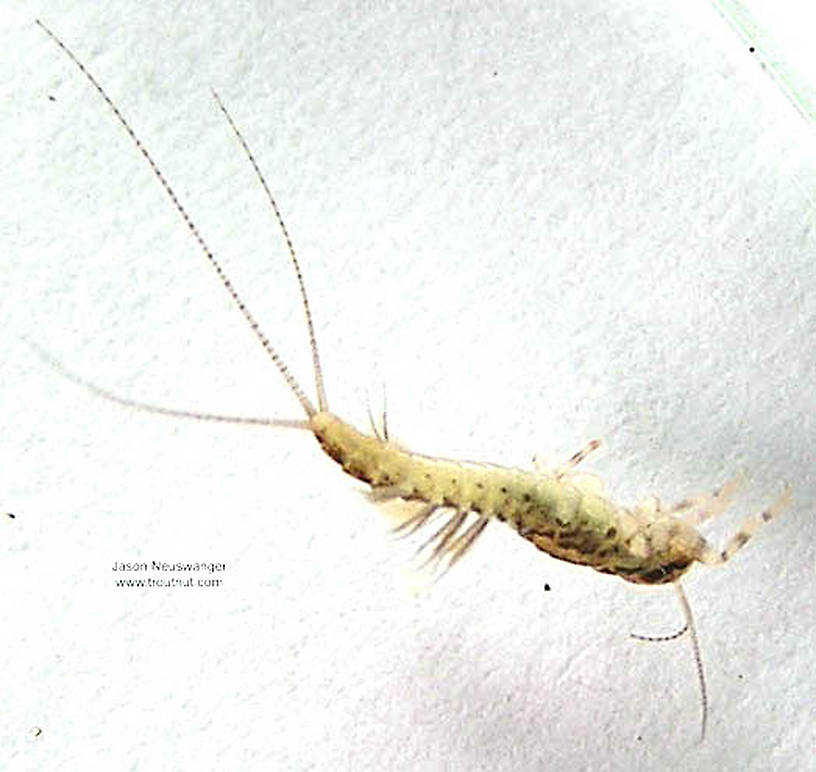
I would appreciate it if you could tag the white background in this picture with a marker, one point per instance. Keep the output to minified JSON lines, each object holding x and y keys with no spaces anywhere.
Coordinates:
{"x":533,"y":224}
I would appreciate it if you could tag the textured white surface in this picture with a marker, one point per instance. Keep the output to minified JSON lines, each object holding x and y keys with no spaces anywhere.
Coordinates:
{"x":534,"y":227}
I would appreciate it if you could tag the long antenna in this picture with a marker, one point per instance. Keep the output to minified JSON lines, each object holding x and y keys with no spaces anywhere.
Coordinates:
{"x":272,"y":353}
{"x":171,"y":412}
{"x":698,"y":661}
{"x":318,"y":370}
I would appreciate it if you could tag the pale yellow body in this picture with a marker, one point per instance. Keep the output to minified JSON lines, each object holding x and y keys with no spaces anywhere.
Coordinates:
{"x":554,"y":511}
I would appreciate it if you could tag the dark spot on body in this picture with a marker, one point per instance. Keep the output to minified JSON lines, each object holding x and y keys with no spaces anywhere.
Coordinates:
{"x":611,"y":533}
{"x":660,"y":575}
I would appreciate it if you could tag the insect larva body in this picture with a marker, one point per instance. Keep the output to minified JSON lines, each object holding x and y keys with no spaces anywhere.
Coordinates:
{"x":558,"y":516}
{"x":558,"y":511}
{"x":553,"y":510}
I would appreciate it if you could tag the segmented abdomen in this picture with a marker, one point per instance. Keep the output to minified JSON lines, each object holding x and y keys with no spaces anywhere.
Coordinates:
{"x":557,"y":516}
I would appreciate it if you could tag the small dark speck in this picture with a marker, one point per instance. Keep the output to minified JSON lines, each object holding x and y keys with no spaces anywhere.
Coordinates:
{"x":495,"y":73}
{"x":547,"y":587}
{"x":740,"y":676}
{"x":752,"y":49}
{"x":639,"y":739}
{"x":52,"y":98}
{"x":36,"y":731}
{"x":11,"y":515}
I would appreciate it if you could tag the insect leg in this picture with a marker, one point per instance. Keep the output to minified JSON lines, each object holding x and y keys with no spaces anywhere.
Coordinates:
{"x":416,"y":521}
{"x":465,"y":541}
{"x":573,"y":461}
{"x":443,"y":535}
{"x":577,"y":458}
{"x":650,"y":506}
{"x":385,"y":418}
{"x":746,"y":531}
{"x":383,"y":422}
{"x":698,"y":509}
{"x":448,"y":551}
{"x":371,"y":421}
